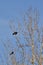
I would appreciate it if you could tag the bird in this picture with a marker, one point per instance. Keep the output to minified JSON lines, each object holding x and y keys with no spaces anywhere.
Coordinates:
{"x":14,"y":33}
{"x":11,"y":53}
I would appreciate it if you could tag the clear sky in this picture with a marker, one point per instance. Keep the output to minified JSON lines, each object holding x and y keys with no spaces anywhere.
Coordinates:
{"x":12,"y":9}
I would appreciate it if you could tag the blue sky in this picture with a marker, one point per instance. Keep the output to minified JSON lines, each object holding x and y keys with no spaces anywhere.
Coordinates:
{"x":15,"y":8}
{"x":12,"y":9}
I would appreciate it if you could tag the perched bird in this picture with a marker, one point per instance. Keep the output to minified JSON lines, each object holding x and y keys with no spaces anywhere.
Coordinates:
{"x":11,"y":53}
{"x":15,"y":33}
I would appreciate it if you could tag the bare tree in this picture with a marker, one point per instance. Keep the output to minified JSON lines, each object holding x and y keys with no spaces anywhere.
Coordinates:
{"x":32,"y":38}
{"x":29,"y":40}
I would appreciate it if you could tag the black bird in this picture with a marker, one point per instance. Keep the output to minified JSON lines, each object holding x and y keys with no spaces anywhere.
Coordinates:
{"x":11,"y":53}
{"x":15,"y":33}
